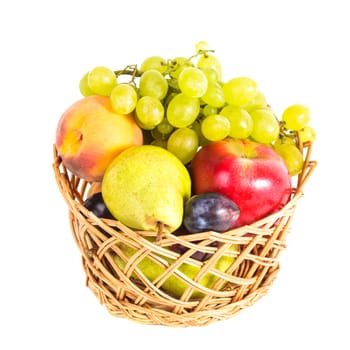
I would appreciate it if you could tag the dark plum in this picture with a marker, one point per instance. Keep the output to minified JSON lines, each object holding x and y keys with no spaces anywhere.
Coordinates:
{"x":210,"y":211}
{"x":96,"y":204}
{"x":198,"y":255}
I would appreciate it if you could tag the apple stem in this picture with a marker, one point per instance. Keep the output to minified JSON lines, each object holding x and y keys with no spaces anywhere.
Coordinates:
{"x":160,"y":231}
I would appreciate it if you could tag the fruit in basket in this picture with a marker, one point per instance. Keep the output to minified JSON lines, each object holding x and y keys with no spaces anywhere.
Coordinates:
{"x":123,"y":98}
{"x":149,"y":112}
{"x":210,"y":211}
{"x":96,"y":204}
{"x":253,"y":175}
{"x":182,"y":110}
{"x":183,"y":143}
{"x":240,"y":91}
{"x":192,"y":82}
{"x":90,"y":134}
{"x":291,"y":155}
{"x":174,"y":284}
{"x":296,"y":117}
{"x":199,"y":255}
{"x":101,"y":80}
{"x":308,"y":134}
{"x":153,"y":83}
{"x":265,"y":125}
{"x":145,"y":188}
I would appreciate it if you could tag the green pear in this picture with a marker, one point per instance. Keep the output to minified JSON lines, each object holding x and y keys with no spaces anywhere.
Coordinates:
{"x":145,"y":187}
{"x":174,"y":285}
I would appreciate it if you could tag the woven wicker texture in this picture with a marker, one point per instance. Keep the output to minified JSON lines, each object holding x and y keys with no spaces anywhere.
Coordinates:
{"x":251,"y":254}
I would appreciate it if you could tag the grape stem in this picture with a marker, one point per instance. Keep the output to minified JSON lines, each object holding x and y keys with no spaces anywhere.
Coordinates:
{"x":172,"y":63}
{"x":284,"y":133}
{"x":200,"y":53}
{"x":130,"y":69}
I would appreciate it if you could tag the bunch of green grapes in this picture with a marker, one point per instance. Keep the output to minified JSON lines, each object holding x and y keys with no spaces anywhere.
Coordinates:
{"x":183,"y":103}
{"x":294,"y":131}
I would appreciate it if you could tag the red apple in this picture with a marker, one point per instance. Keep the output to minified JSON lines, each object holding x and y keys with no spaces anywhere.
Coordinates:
{"x":253,"y":175}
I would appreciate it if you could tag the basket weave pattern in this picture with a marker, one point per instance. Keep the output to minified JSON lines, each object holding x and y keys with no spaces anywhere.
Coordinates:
{"x":127,"y":292}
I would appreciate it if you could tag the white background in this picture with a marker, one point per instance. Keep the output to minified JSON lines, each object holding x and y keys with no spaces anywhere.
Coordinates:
{"x":298,"y":53}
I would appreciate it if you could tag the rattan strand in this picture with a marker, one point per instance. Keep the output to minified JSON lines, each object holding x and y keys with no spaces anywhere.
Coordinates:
{"x":127,"y":292}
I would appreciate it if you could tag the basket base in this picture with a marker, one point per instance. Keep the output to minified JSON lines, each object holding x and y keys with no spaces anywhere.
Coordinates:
{"x":163,"y":316}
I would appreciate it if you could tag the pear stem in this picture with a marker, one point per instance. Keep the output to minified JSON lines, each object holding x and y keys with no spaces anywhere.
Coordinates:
{"x":160,"y":231}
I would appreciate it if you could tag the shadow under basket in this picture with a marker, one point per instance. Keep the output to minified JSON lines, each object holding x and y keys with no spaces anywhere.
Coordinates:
{"x":240,"y":268}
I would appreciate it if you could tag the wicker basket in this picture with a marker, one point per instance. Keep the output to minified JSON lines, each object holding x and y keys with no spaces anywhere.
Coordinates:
{"x":127,"y":292}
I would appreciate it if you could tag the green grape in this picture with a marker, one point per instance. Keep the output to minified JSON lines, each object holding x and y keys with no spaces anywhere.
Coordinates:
{"x":154,"y":62}
{"x":152,"y":83}
{"x":284,"y":140}
{"x":307,"y":134}
{"x":201,"y":46}
{"x":257,"y":102}
{"x":157,"y":135}
{"x":160,"y":143}
{"x":84,"y":86}
{"x":177,"y":65}
{"x":183,"y":143}
{"x":214,"y":95}
{"x":240,"y":120}
{"x":240,"y":91}
{"x":209,"y":110}
{"x":211,"y":74}
{"x":123,"y":98}
{"x":102,"y":80}
{"x":182,"y":110}
{"x":196,"y":126}
{"x":193,"y":82}
{"x":149,"y":112}
{"x":210,"y":62}
{"x":169,"y":97}
{"x":215,"y":127}
{"x":173,"y":86}
{"x":296,"y":117}
{"x":292,"y":156}
{"x":164,"y":127}
{"x":265,"y":125}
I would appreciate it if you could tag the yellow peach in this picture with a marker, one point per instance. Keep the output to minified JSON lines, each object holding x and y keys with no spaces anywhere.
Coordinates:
{"x":90,"y":135}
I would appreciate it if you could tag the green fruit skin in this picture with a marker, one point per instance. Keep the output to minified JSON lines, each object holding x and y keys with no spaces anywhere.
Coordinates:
{"x":174,"y":285}
{"x":146,"y":185}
